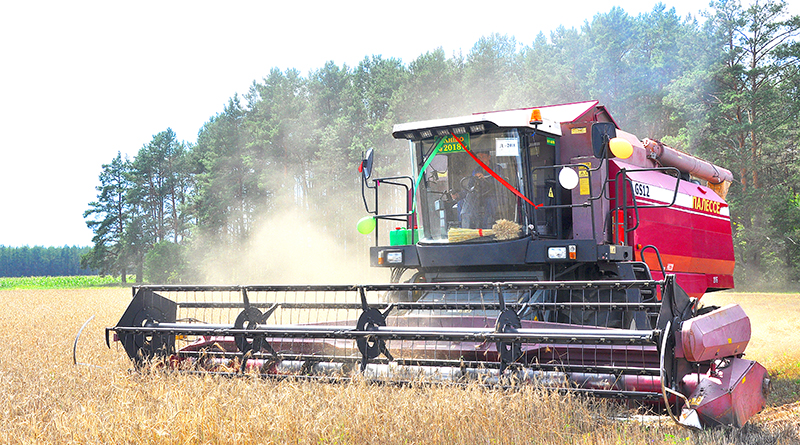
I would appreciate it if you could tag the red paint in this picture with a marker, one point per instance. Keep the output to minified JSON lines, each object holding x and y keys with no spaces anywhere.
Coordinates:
{"x":730,"y":394}
{"x":721,"y":333}
{"x":693,"y":236}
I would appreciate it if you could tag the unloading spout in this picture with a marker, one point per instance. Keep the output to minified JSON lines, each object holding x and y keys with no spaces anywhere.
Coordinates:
{"x":699,"y":168}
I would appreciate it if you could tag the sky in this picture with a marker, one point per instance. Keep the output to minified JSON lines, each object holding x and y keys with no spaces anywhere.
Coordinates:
{"x":81,"y":81}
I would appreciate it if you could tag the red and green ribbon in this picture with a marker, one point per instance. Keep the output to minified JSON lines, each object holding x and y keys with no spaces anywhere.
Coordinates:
{"x":496,"y":176}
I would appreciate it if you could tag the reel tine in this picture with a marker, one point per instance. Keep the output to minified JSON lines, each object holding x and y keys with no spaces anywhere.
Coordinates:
{"x":269,"y":312}
{"x":245,"y":299}
{"x":363,"y":294}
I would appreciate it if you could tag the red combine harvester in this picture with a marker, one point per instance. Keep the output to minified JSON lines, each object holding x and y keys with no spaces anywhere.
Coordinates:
{"x":544,"y":245}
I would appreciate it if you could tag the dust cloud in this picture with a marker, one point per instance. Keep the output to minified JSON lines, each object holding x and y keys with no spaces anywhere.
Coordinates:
{"x":290,"y":248}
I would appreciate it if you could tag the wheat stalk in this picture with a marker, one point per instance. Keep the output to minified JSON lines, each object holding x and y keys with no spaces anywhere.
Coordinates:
{"x":505,"y":229}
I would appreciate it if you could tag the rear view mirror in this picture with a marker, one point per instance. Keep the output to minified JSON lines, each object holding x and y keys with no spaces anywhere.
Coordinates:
{"x":366,"y":164}
{"x":602,"y":132}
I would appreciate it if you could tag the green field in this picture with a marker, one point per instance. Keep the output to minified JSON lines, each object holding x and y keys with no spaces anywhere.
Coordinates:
{"x":57,"y":282}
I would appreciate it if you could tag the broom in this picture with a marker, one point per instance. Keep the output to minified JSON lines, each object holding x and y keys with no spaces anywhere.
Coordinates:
{"x":503,"y":229}
{"x":457,"y":235}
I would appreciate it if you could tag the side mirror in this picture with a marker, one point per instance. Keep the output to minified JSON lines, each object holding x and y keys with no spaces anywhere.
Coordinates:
{"x":602,"y":132}
{"x":366,"y":164}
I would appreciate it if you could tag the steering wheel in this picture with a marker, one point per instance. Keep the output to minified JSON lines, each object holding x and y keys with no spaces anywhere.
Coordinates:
{"x":474,"y":184}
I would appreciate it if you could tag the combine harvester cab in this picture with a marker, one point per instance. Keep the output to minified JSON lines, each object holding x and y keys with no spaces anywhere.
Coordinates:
{"x":529,"y":237}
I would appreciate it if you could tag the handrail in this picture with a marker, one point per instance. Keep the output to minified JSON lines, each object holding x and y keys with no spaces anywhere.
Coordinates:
{"x":408,"y":216}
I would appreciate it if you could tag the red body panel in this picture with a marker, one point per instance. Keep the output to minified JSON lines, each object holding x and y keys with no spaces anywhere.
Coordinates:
{"x":724,"y":332}
{"x":729,"y":395}
{"x":693,"y":235}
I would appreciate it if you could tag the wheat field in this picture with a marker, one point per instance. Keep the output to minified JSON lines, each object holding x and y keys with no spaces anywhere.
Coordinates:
{"x":47,"y":399}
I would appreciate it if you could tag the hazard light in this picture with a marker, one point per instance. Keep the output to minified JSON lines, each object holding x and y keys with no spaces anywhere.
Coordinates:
{"x":536,"y":117}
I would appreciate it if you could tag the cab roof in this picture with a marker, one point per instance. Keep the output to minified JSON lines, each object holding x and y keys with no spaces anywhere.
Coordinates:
{"x":552,"y":118}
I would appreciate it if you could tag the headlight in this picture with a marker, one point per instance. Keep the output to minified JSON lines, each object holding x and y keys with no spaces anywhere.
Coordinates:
{"x":557,"y":253}
{"x":394,"y":257}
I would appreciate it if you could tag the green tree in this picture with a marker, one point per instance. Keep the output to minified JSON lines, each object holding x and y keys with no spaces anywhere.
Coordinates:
{"x":161,"y":185}
{"x":227,"y":176}
{"x":165,"y":263}
{"x":664,"y":48}
{"x":42,"y":261}
{"x":549,"y":72}
{"x":278,"y":132}
{"x":338,"y":147}
{"x":752,"y":116}
{"x":110,"y":219}
{"x":433,"y":89}
{"x":376,"y":83}
{"x":488,"y":71}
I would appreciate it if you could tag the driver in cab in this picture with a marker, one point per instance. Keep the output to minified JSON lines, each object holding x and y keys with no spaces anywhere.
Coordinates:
{"x":479,"y":207}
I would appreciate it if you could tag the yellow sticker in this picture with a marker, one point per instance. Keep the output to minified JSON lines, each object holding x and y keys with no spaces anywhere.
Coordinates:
{"x":694,"y":401}
{"x":584,"y":184}
{"x":730,"y":341}
{"x":580,"y":130}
